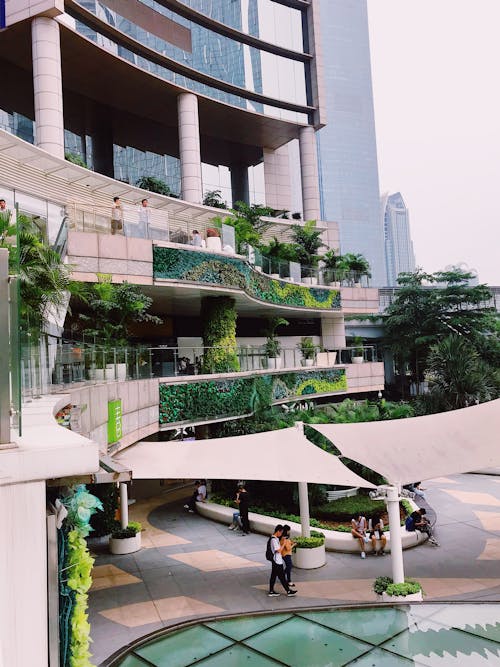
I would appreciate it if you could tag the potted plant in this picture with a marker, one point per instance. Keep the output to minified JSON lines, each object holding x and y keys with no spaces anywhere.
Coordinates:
{"x":309,"y":552}
{"x":358,"y":267}
{"x":126,"y":540}
{"x":334,"y":268}
{"x":272,"y":346}
{"x":308,"y":350}
{"x":213,"y":239}
{"x":307,"y":241}
{"x":409,"y":591}
{"x":357,"y":353}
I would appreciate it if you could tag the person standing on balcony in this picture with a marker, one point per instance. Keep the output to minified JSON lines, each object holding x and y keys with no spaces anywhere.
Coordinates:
{"x":144,"y":219}
{"x":116,"y":216}
{"x":5,"y":219}
{"x":196,"y":239}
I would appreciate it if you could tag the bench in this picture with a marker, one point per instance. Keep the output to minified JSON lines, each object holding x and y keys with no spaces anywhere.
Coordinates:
{"x":344,"y":493}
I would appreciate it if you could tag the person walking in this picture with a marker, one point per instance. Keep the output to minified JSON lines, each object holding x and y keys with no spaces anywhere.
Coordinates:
{"x":277,"y":570}
{"x":286,"y":551}
{"x":243,"y":503}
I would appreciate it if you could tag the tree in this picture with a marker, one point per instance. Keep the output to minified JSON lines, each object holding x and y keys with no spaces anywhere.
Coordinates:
{"x":430,"y":307}
{"x":156,"y":185}
{"x":307,"y":241}
{"x":458,"y":377}
{"x":44,"y":279}
{"x":214,"y":199}
{"x":108,"y":311}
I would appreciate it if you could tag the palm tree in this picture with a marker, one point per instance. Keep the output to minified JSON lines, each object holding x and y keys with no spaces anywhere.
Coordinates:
{"x":358,"y":265}
{"x":458,"y":376}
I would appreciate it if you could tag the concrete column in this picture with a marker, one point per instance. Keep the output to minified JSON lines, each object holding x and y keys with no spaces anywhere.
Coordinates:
{"x":47,"y":85}
{"x":5,"y":350}
{"x":392,"y":502}
{"x":309,"y":173}
{"x":239,"y":183}
{"x":123,"y":505}
{"x":189,"y":148}
{"x":305,"y":519}
{"x":332,"y":333}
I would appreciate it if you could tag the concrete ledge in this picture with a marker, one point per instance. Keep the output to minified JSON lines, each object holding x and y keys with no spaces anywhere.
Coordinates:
{"x":334,"y":540}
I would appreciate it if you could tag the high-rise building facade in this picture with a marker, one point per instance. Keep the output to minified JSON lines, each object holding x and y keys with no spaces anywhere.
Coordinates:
{"x":347,"y":145}
{"x":399,"y":254}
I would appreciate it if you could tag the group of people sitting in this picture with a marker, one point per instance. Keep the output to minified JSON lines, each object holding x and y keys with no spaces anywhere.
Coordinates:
{"x":369,"y":532}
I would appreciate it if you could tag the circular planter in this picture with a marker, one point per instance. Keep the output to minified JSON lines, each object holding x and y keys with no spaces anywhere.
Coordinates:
{"x":413,"y":597}
{"x":357,"y":360}
{"x":309,"y":362}
{"x":309,"y":559}
{"x":125,"y":546}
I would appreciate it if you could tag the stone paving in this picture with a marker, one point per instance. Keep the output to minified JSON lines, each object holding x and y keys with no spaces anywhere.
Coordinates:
{"x":190,"y":567}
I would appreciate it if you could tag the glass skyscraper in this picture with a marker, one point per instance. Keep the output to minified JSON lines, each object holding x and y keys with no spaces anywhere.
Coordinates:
{"x":399,"y":254}
{"x":347,"y":145}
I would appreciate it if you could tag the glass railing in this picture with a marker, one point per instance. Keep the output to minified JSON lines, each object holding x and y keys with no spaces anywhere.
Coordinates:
{"x":51,"y":366}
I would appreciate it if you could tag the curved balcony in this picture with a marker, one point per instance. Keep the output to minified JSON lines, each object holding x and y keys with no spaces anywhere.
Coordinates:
{"x":197,"y":266}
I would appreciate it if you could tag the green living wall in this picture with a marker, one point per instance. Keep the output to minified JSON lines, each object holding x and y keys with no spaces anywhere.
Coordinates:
{"x":212,"y":399}
{"x":202,"y":267}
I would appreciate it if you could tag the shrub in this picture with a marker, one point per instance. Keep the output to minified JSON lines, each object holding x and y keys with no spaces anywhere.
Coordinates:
{"x":344,"y":509}
{"x":309,"y":542}
{"x":131,"y":530}
{"x":386,"y":585}
{"x":218,"y":321}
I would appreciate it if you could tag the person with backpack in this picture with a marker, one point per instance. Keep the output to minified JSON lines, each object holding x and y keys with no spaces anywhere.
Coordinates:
{"x":273,"y":554}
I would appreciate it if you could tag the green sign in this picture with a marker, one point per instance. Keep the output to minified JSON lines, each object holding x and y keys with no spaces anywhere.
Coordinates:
{"x":114,"y":421}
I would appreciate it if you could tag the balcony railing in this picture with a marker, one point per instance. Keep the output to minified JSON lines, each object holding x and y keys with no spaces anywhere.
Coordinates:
{"x":52,"y":368}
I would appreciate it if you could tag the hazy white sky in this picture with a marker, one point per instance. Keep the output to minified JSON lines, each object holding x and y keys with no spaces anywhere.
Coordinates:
{"x":436,"y":84}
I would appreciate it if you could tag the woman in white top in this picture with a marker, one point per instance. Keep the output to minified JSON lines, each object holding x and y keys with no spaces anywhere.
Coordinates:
{"x":358,"y":531}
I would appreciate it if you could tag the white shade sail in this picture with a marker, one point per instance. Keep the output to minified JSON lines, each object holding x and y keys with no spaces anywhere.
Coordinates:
{"x":284,"y":455}
{"x":407,"y":450}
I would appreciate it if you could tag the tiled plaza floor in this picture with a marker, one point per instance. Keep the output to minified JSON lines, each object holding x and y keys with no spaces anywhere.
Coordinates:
{"x":190,"y":567}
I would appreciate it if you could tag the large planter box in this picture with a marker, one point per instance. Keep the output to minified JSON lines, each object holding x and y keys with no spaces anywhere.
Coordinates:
{"x":398,"y":599}
{"x":126,"y":546}
{"x":309,"y":559}
{"x":357,"y":360}
{"x":274,"y":362}
{"x":326,"y":358}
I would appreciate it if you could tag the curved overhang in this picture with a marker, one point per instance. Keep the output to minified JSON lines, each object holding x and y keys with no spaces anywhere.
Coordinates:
{"x":92,"y":71}
{"x":185,"y":299}
{"x":122,"y":39}
{"x":191,"y":14}
{"x":406,"y":450}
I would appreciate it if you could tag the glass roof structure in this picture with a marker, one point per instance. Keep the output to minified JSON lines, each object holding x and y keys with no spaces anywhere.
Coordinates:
{"x":388,"y":636}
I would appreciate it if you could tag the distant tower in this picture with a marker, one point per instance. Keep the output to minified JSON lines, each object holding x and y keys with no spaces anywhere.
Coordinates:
{"x":399,"y":255}
{"x":347,"y":145}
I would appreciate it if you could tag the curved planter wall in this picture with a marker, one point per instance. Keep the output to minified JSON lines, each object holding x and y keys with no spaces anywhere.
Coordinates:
{"x":222,"y":271}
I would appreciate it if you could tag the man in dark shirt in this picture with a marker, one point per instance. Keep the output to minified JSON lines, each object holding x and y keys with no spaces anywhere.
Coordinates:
{"x":243,"y":502}
{"x":422,"y":524}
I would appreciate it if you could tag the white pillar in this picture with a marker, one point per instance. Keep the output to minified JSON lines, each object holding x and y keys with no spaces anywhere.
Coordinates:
{"x":189,"y":147}
{"x":47,"y":85}
{"x":305,"y":519}
{"x":309,"y":173}
{"x":392,"y":502}
{"x":123,"y":505}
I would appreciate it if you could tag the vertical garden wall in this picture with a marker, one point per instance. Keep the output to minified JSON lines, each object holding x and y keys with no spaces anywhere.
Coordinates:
{"x":218,"y":323}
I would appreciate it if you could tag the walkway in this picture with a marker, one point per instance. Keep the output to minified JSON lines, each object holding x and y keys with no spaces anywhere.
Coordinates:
{"x":192,"y":567}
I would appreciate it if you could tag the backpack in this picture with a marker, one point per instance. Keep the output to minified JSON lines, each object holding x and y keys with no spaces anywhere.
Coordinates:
{"x":410,"y":524}
{"x":269,"y":551}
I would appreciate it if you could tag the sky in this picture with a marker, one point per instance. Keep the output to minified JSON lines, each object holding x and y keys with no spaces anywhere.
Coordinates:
{"x":436,"y":73}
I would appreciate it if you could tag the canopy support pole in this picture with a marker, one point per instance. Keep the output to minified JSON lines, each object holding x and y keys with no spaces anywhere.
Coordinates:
{"x":392,"y":501}
{"x":123,"y":505}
